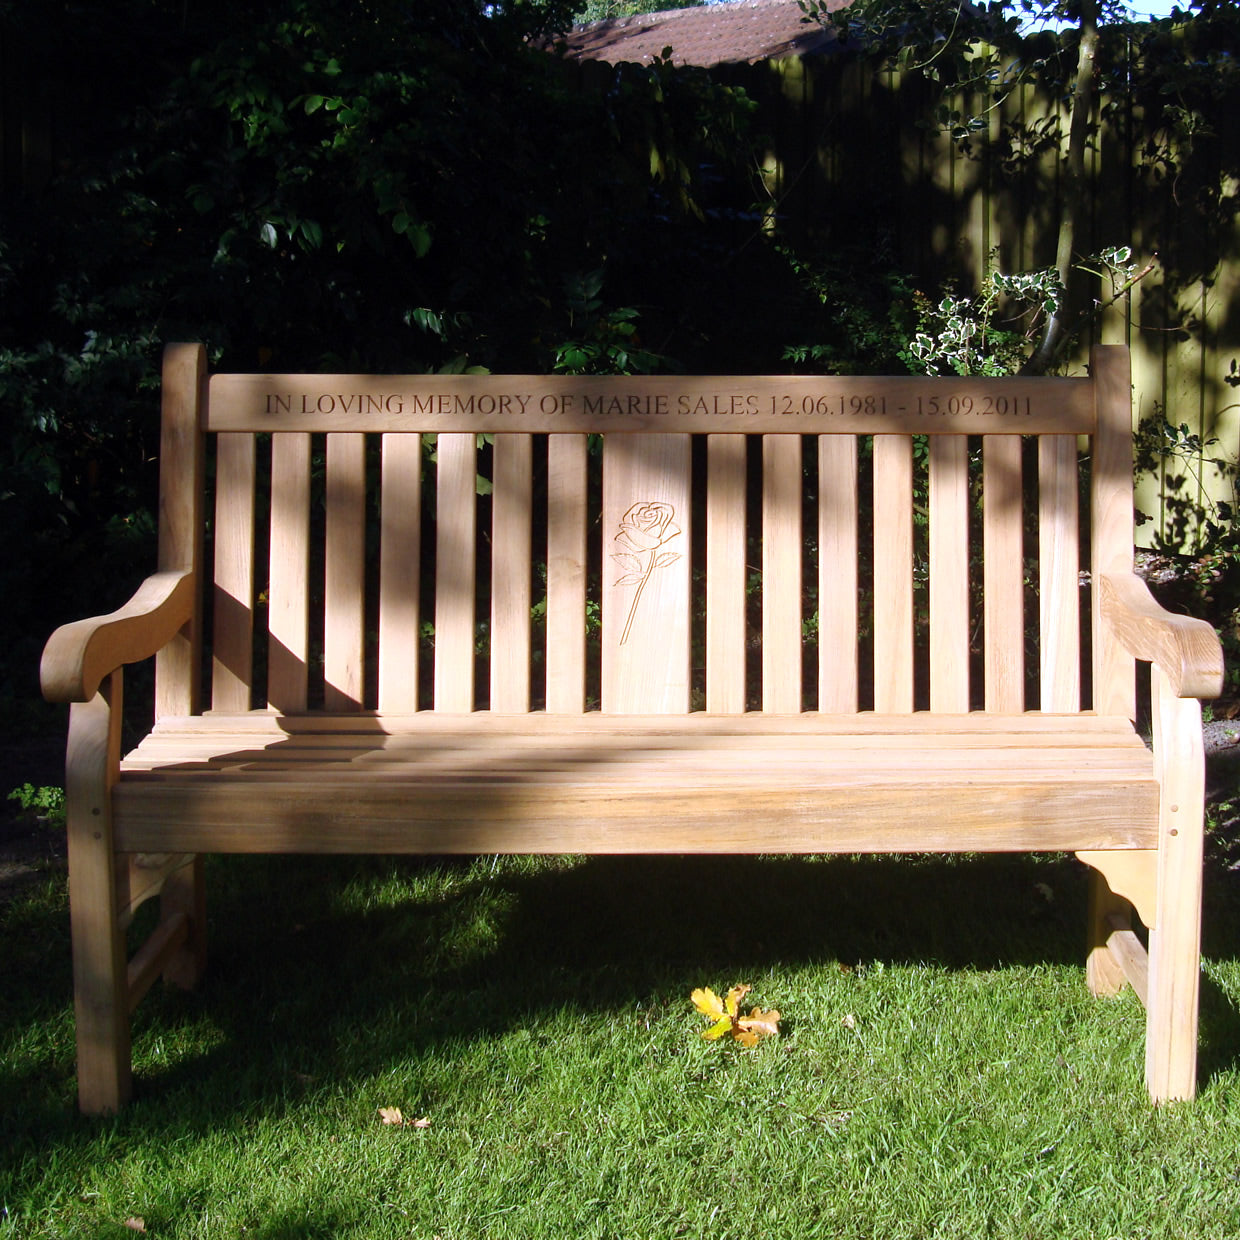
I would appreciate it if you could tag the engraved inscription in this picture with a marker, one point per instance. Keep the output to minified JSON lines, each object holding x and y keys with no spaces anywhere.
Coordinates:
{"x":652,"y":406}
{"x":647,"y":527}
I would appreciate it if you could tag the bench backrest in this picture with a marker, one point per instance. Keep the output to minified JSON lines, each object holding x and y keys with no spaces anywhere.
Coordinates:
{"x":933,"y":526}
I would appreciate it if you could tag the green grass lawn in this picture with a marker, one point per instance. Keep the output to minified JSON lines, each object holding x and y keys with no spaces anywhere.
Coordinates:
{"x":942,"y":1070}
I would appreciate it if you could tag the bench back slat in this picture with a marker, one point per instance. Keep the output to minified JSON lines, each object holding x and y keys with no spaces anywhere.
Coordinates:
{"x":344,"y":590}
{"x":1003,"y":573}
{"x":781,"y":573}
{"x":647,"y":507}
{"x":838,"y":658}
{"x":1059,"y":573}
{"x":400,"y":572}
{"x":511,"y":537}
{"x":567,"y":521}
{"x":893,"y":574}
{"x":948,"y":556}
{"x":232,"y":647}
{"x":726,"y":463}
{"x":455,"y":562}
{"x":288,"y":595}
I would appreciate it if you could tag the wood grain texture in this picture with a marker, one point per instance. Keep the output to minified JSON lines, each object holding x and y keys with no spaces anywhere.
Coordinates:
{"x":781,"y":573}
{"x":288,"y":590}
{"x":646,"y":540}
{"x":400,"y":567}
{"x":1175,"y":943}
{"x":1187,"y":651}
{"x":949,"y":574}
{"x":1003,"y":589}
{"x":651,"y":404}
{"x":725,"y":573}
{"x":100,"y":984}
{"x":838,"y":656}
{"x":893,"y":573}
{"x":511,"y":572}
{"x":456,"y":559}
{"x":1111,"y":521}
{"x":79,"y":655}
{"x":232,"y":638}
{"x":566,"y":573}
{"x":1059,"y":617}
{"x":344,"y":618}
{"x":181,"y":469}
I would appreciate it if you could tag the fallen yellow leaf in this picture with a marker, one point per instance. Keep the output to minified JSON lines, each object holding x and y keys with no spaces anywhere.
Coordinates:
{"x":747,"y":1030}
{"x":707,"y":1002}
{"x":391,"y":1115}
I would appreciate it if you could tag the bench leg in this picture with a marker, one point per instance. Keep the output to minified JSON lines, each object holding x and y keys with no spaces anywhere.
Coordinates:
{"x":1103,"y":973}
{"x":185,"y":893}
{"x":1175,"y":942}
{"x":100,"y":986}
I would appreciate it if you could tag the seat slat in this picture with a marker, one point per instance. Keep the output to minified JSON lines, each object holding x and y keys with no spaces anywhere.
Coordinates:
{"x":893,"y":573}
{"x":838,"y":661}
{"x":344,"y":618}
{"x":743,"y":808}
{"x":289,"y":573}
{"x":1003,"y":585}
{"x":455,"y":563}
{"x":511,"y":537}
{"x":781,"y":573}
{"x":232,"y":657}
{"x":400,"y":571}
{"x":725,"y":572}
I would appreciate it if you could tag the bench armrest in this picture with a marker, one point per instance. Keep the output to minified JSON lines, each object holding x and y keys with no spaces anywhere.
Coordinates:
{"x":1188,"y":651}
{"x":79,"y":655}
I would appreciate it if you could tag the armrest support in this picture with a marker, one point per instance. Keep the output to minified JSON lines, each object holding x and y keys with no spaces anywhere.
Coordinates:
{"x":79,"y":655}
{"x":1187,"y":650}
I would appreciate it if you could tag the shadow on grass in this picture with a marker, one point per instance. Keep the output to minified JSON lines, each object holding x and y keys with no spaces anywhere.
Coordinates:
{"x":327,"y":971}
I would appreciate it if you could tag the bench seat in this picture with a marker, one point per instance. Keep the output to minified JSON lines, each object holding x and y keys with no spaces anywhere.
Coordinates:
{"x":482,"y":783}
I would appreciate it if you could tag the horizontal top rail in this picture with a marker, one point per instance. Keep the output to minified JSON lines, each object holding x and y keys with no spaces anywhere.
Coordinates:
{"x":746,"y":404}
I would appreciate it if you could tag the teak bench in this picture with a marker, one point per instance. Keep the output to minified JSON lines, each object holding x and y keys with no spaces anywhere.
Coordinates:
{"x":295,"y":712}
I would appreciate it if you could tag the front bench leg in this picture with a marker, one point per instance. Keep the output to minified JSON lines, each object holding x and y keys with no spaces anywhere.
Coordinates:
{"x":100,"y":983}
{"x":1175,"y":940}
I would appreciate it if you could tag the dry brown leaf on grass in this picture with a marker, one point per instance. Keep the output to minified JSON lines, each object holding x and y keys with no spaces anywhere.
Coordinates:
{"x":135,"y":1224}
{"x":725,"y":1013}
{"x":396,"y":1118}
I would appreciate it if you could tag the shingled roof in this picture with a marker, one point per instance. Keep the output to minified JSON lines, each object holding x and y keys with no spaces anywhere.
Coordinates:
{"x":738,"y":32}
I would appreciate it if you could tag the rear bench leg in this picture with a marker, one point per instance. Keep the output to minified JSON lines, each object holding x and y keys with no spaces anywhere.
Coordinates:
{"x":1103,"y":973}
{"x":1175,"y":941}
{"x":100,"y":984}
{"x":184,"y":893}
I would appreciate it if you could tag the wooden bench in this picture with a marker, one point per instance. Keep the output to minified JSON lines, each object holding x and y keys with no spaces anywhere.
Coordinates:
{"x":300,"y":708}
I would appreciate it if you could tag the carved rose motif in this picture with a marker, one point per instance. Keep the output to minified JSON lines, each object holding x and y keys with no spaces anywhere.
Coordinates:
{"x":643,"y":530}
{"x":647,"y":525}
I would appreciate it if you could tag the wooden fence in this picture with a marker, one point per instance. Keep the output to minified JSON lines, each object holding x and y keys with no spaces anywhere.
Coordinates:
{"x":849,"y":143}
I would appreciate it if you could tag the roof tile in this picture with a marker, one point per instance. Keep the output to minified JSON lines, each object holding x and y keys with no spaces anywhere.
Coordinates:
{"x":742,"y":31}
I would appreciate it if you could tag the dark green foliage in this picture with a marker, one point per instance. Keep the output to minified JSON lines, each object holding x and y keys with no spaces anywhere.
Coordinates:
{"x":317,"y":186}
